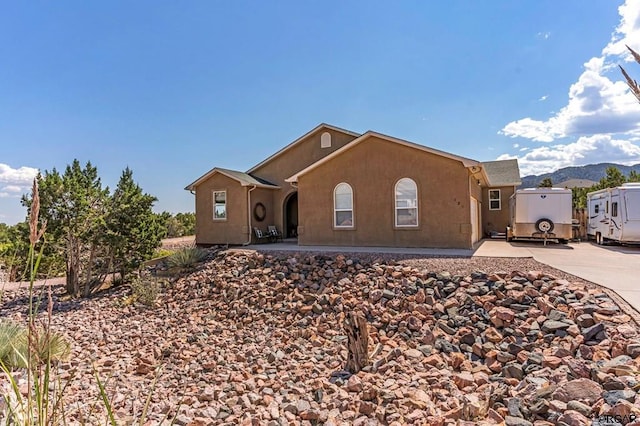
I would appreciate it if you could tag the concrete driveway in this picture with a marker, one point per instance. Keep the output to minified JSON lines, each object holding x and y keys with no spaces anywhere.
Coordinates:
{"x":614,"y":267}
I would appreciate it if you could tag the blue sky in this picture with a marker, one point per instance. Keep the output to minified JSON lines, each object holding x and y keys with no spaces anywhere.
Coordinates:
{"x":172,"y":89}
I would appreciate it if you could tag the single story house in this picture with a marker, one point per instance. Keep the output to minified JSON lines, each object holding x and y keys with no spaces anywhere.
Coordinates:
{"x":333,"y":186}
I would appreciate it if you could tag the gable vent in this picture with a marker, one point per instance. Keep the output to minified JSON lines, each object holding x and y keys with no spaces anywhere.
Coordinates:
{"x":325,"y":140}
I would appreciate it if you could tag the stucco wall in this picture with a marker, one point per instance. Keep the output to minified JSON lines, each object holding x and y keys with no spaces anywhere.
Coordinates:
{"x":474,"y":188}
{"x":264,"y":196}
{"x":234,"y":230}
{"x":372,"y":168}
{"x":496,"y":220}
{"x":296,"y":158}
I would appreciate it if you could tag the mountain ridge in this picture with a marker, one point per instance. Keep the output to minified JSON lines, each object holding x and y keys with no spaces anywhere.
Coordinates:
{"x":593,"y":172}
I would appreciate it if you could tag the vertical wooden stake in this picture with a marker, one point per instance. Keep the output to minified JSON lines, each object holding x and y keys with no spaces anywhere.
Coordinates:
{"x":355,"y":326}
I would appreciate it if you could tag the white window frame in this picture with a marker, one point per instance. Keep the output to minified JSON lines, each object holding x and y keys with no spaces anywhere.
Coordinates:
{"x":215,"y":205}
{"x":499,"y":199}
{"x":336,"y":210}
{"x":411,"y":204}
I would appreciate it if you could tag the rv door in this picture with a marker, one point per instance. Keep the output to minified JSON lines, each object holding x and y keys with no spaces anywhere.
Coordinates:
{"x":597,"y":216}
{"x":632,"y":205}
{"x":615,"y":216}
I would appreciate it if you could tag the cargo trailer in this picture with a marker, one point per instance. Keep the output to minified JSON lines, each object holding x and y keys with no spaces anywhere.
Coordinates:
{"x":541,"y":213}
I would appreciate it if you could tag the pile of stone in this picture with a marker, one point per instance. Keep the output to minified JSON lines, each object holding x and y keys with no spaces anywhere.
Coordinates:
{"x":257,"y":339}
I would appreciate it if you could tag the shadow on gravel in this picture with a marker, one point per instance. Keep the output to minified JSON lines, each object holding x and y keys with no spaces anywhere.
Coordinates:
{"x":17,"y":301}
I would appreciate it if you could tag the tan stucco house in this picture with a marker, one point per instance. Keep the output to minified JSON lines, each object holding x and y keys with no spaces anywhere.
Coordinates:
{"x":337,"y":187}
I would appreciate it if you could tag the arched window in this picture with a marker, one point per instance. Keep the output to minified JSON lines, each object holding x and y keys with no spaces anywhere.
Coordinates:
{"x":406,"y":195}
{"x":325,"y":140}
{"x":343,"y":206}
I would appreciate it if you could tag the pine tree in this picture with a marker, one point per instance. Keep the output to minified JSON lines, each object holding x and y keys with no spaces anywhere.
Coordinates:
{"x":613,"y":178}
{"x":133,"y":230}
{"x":73,"y":206}
{"x":546,"y":183}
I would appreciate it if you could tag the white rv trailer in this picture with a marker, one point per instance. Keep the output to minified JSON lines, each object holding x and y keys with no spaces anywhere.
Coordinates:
{"x":614,"y":214}
{"x":540,"y":213}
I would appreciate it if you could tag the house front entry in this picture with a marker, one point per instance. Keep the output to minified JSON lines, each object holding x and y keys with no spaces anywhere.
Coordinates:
{"x":291,"y":216}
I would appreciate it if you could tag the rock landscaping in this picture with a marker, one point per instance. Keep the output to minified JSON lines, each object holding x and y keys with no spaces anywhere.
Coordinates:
{"x":250,"y":338}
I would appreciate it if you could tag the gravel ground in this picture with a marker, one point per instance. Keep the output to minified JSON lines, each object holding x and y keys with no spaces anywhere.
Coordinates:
{"x":247,"y":339}
{"x":455,"y":265}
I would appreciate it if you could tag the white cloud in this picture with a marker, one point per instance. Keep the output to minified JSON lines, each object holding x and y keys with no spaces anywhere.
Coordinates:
{"x":543,"y":98}
{"x":540,"y":131}
{"x":13,"y":188}
{"x":516,"y":145}
{"x":596,"y":104}
{"x":586,"y":150}
{"x":627,"y":32}
{"x":601,"y":119}
{"x":14,"y":182}
{"x":543,"y":35}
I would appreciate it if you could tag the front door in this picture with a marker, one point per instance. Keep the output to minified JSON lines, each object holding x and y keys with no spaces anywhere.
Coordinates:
{"x":291,"y":216}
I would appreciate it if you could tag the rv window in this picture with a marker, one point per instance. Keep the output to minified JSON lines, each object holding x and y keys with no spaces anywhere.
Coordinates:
{"x":596,"y":208}
{"x":606,"y":210}
{"x":614,"y":209}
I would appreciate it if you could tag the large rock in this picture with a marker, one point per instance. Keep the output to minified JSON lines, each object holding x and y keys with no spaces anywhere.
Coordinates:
{"x":582,"y":390}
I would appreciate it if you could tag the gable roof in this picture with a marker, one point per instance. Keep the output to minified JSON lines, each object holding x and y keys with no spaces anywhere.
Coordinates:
{"x":244,"y":179}
{"x":502,"y":172}
{"x":300,"y":139}
{"x":467,"y":162}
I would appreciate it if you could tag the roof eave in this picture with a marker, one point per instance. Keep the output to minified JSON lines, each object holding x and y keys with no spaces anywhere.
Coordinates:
{"x":259,"y":185}
{"x":192,"y":186}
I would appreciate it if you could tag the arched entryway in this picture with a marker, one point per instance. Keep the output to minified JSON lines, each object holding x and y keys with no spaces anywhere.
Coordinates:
{"x":291,"y":216}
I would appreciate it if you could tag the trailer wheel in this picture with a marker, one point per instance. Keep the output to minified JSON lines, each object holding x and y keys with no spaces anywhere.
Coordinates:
{"x":544,"y":225}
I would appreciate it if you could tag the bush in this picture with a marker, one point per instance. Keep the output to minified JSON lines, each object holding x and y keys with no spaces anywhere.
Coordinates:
{"x":45,"y":346}
{"x":145,"y":289}
{"x":187,"y":257}
{"x":9,"y":335}
{"x":162,"y":252}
